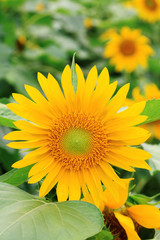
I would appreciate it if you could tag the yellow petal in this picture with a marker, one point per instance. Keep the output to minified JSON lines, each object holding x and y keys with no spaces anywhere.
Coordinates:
{"x":100,"y":99}
{"x":103,"y":80}
{"x":32,"y":157}
{"x":37,"y":96}
{"x":74,"y":186}
{"x":28,"y":144}
{"x":122,"y":123}
{"x":31,"y":106}
{"x":63,"y":187}
{"x":30,"y":114}
{"x":80,"y":88}
{"x":43,"y":81}
{"x":108,"y":182}
{"x":41,"y":165}
{"x":51,"y":180}
{"x":146,"y":215}
{"x":56,"y":97}
{"x":114,"y":160}
{"x":130,"y":161}
{"x":129,"y":133}
{"x":29,"y":127}
{"x":114,"y":203}
{"x":20,"y":135}
{"x":37,"y":177}
{"x":132,"y":153}
{"x":133,"y":110}
{"x":91,"y":81}
{"x":91,"y":186}
{"x":67,"y":85}
{"x":117,"y":101}
{"x":128,"y":226}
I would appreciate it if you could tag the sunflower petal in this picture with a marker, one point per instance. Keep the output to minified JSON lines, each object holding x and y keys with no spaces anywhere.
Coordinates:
{"x":146,"y":215}
{"x":128,"y":226}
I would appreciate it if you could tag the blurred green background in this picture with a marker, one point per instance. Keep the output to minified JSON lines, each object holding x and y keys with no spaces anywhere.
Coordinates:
{"x":41,"y":36}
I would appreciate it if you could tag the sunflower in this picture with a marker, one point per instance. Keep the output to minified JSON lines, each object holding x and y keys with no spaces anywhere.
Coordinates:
{"x":128,"y":49}
{"x":123,"y":221}
{"x":75,"y":138}
{"x":151,"y":91}
{"x":148,"y":10}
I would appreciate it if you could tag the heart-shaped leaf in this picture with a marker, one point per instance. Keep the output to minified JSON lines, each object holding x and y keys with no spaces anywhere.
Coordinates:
{"x":26,"y":217}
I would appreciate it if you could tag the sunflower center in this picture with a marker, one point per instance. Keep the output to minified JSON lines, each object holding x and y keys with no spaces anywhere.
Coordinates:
{"x":77,"y":142}
{"x":151,"y":4}
{"x":113,"y":224}
{"x":127,"y":47}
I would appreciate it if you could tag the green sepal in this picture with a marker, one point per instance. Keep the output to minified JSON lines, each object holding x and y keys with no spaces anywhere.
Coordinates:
{"x":73,"y":74}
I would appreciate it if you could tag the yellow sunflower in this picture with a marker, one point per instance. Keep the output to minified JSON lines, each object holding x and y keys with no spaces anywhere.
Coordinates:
{"x":151,"y":91}
{"x":123,"y":221}
{"x":75,"y":138}
{"x":40,"y":7}
{"x":128,"y":50}
{"x":148,"y":10}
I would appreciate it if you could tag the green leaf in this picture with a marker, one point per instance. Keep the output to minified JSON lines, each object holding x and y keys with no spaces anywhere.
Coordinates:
{"x":16,"y":176}
{"x":154,"y":161}
{"x":152,"y":110}
{"x":73,"y":73}
{"x":103,"y":235}
{"x":7,"y":117}
{"x":139,"y":199}
{"x":157,"y":235}
{"x":23,"y":216}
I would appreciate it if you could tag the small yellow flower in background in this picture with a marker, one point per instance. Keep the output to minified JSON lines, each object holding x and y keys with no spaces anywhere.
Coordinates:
{"x":88,"y":23}
{"x":22,"y":39}
{"x":151,"y":91}
{"x":40,"y":7}
{"x":148,"y":10}
{"x":128,"y":50}
{"x":75,"y":138}
{"x":123,"y":221}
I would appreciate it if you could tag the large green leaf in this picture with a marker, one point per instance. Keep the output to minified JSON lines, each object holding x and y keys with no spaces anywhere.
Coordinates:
{"x":152,"y":110}
{"x":16,"y":176}
{"x":26,"y":217}
{"x":7,"y":117}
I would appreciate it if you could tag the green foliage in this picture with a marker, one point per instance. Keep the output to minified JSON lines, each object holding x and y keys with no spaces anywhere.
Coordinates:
{"x":7,"y":117}
{"x":103,"y":235}
{"x":157,"y":235}
{"x":74,"y":75}
{"x":23,"y":216}
{"x":16,"y":177}
{"x":152,"y":110}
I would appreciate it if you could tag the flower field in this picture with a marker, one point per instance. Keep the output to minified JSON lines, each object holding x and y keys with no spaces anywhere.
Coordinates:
{"x":80,"y":120}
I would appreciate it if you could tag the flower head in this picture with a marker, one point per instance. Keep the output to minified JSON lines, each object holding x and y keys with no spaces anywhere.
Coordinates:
{"x":151,"y":91}
{"x":128,"y":49}
{"x":75,"y":138}
{"x":123,"y":221}
{"x":148,"y":10}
